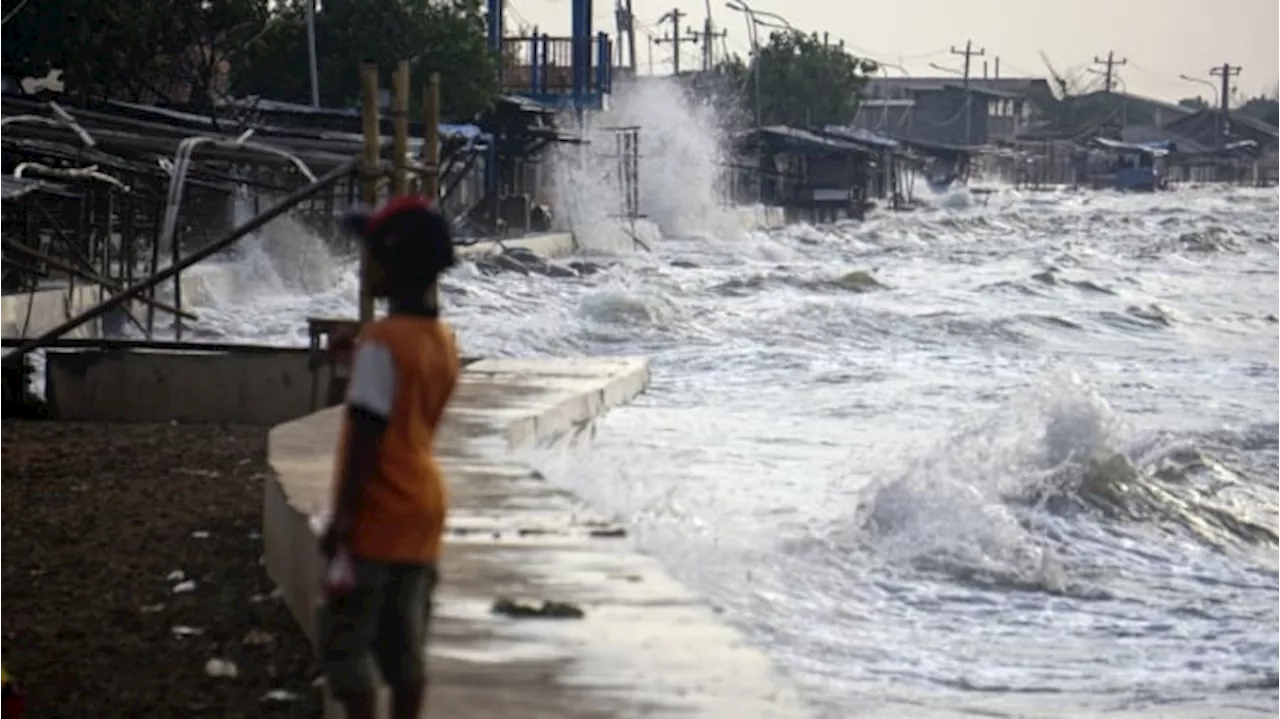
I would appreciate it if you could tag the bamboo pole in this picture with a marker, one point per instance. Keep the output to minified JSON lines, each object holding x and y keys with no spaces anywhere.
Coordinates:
{"x":400,"y":120}
{"x":369,"y":172}
{"x":431,"y":150}
{"x":431,"y":139}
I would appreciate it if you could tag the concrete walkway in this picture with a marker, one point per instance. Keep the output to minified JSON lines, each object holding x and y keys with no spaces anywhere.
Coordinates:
{"x":646,"y":646}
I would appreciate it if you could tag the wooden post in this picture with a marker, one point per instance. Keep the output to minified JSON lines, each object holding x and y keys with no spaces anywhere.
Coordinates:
{"x":431,"y":139}
{"x":400,"y":119}
{"x":369,"y":171}
{"x":431,"y":155}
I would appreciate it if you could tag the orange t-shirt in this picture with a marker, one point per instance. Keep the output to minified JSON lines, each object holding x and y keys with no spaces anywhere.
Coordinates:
{"x":405,"y":369}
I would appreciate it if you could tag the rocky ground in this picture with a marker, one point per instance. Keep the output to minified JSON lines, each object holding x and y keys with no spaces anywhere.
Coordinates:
{"x":130,"y":561}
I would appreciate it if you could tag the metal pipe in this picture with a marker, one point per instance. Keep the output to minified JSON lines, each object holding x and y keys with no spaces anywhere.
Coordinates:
{"x":90,"y":172}
{"x":182,"y":163}
{"x":311,"y":53}
{"x":203,"y":253}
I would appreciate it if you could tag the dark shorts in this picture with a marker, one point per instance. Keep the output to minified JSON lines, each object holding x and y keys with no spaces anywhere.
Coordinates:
{"x":382,"y":622}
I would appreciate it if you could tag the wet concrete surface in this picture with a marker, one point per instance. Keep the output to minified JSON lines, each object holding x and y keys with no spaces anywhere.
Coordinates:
{"x":646,"y":646}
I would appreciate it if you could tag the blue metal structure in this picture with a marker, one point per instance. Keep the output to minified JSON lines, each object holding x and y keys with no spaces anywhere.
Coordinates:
{"x":573,"y":72}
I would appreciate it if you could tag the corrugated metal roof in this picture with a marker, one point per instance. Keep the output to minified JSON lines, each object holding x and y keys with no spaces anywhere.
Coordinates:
{"x":861,"y":136}
{"x":803,"y":139}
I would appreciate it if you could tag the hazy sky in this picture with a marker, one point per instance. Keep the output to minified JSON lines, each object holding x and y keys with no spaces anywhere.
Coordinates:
{"x":1160,"y":38}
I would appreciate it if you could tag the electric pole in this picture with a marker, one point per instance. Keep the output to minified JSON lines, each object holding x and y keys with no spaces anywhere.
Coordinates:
{"x":1111,"y":63}
{"x":675,"y":39}
{"x":969,"y":53}
{"x":709,"y":35}
{"x":1226,"y":72}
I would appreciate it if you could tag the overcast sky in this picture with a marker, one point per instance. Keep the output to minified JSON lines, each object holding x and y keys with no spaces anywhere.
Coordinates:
{"x":1160,"y":38}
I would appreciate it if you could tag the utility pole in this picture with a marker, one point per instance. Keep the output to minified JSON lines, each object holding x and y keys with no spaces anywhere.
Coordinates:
{"x":709,"y":36}
{"x":969,"y":53}
{"x":1226,"y":72}
{"x":674,"y":16}
{"x":1111,"y":63}
{"x":631,"y":37}
{"x":311,"y":53}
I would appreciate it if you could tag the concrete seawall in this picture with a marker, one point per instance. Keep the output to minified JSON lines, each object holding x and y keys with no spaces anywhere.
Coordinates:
{"x":646,"y":645}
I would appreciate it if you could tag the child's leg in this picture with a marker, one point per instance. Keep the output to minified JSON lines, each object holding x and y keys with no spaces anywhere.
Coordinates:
{"x":401,"y":644}
{"x":348,"y":626}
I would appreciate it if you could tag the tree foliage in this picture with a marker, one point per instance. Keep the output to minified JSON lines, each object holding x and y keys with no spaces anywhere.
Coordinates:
{"x":133,"y":49}
{"x":1263,"y":108}
{"x":141,"y":49}
{"x":803,"y":81}
{"x":445,"y":36}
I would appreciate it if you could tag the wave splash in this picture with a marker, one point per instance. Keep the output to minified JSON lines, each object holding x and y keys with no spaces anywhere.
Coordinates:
{"x":1002,"y":501}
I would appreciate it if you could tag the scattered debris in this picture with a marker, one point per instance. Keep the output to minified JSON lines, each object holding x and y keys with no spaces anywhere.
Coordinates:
{"x":258,"y":638}
{"x":221,"y":669}
{"x":176,"y":575}
{"x":273,"y":594}
{"x":525,"y":262}
{"x":279,"y":696}
{"x":184,"y":587}
{"x":548,"y":610}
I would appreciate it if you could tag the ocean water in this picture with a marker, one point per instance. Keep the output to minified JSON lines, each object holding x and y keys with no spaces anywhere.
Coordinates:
{"x":1012,"y":458}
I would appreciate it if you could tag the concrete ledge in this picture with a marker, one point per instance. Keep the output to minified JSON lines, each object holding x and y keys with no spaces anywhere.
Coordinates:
{"x":262,"y":387}
{"x":549,"y":244}
{"x":646,"y":645}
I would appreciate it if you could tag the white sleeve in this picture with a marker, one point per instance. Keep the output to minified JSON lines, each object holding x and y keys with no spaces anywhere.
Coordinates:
{"x":373,"y":379}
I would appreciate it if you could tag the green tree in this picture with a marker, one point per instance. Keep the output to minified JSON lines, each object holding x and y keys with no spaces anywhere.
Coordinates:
{"x":1263,"y":108}
{"x":134,"y":49}
{"x":445,"y":36}
{"x":804,"y":82}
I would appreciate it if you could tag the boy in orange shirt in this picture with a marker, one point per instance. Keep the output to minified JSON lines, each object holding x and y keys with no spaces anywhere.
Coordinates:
{"x":389,"y":498}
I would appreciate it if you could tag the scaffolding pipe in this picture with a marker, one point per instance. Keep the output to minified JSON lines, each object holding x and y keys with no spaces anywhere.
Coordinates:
{"x":182,"y":164}
{"x":203,"y":253}
{"x":91,"y":172}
